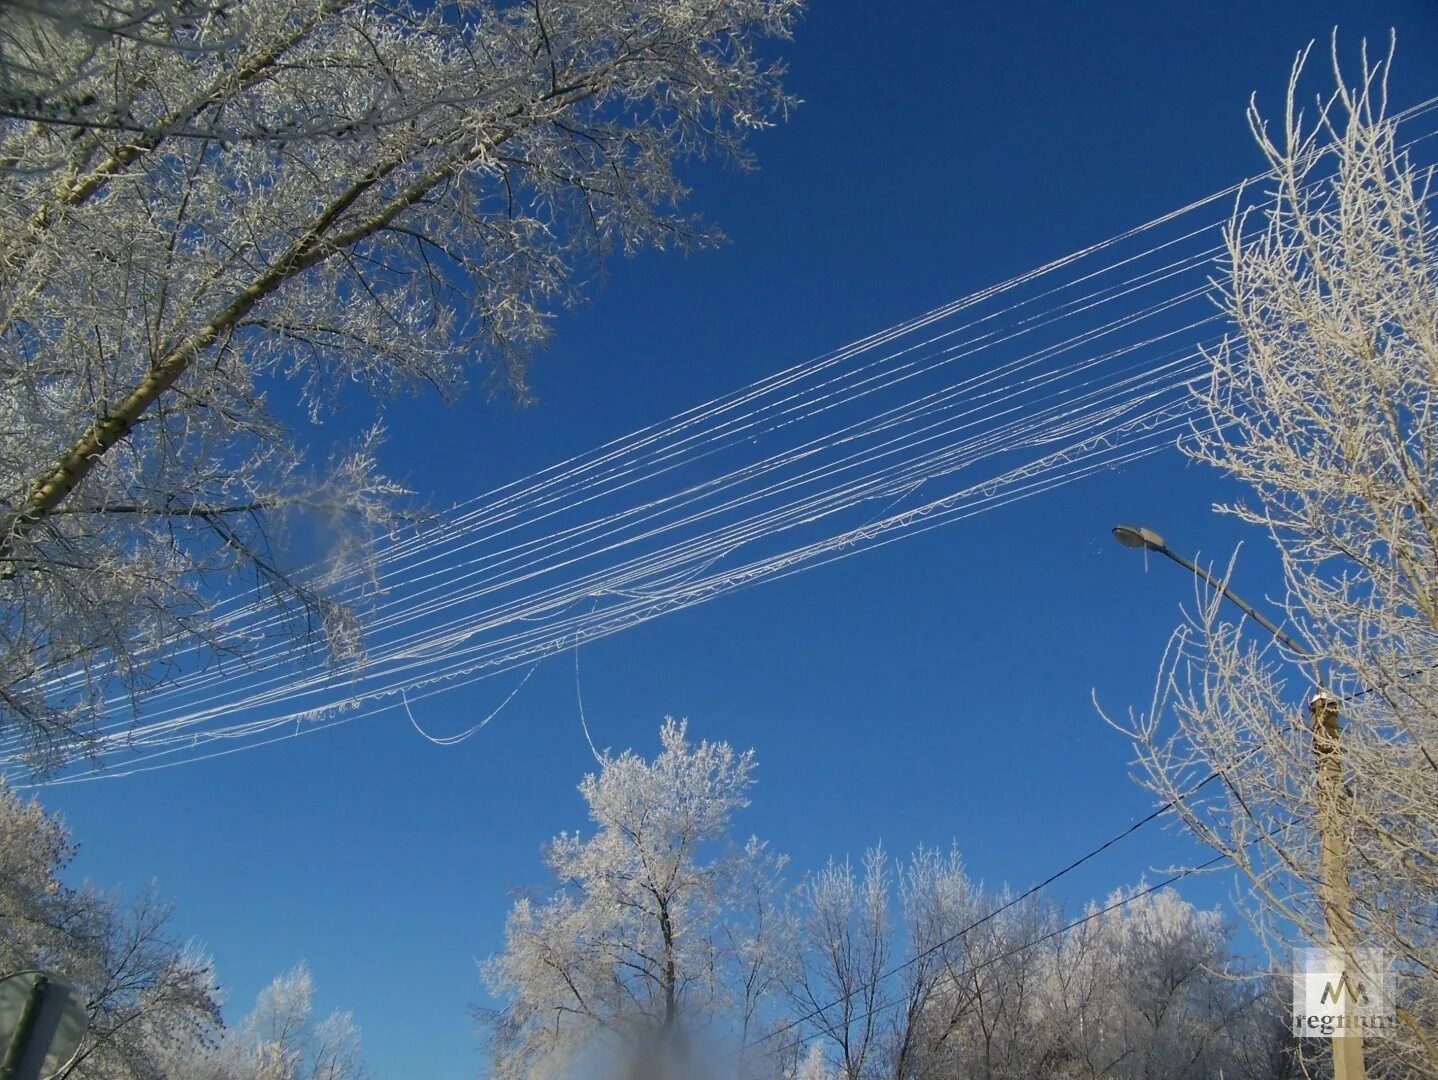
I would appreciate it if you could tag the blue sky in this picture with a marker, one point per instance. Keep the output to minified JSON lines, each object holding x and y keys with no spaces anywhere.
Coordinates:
{"x":935,"y":690}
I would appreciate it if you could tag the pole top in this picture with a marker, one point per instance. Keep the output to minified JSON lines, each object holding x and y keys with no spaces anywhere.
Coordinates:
{"x":1323,"y":698}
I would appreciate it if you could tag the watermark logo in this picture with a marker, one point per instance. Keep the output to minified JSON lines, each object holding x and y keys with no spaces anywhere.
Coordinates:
{"x":1338,"y":995}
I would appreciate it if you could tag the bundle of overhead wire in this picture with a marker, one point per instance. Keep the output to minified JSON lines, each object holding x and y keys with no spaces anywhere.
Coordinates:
{"x":1076,"y":367}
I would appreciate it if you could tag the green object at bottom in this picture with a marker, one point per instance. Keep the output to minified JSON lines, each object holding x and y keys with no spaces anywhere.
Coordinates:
{"x":42,"y":1023}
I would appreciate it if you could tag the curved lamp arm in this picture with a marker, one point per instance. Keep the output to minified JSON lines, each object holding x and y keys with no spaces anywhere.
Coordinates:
{"x":1134,"y":536}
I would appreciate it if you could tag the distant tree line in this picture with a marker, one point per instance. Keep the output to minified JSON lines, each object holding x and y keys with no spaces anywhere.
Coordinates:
{"x":665,"y":948}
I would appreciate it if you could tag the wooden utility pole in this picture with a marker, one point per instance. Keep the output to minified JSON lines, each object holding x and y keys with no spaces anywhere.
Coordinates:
{"x":1334,"y":810}
{"x":1334,"y":891}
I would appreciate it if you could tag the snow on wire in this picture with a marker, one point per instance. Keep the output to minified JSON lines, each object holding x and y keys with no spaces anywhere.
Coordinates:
{"x":1070,"y":369}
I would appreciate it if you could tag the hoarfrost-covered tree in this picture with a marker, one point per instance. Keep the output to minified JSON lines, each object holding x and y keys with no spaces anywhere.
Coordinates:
{"x":50,"y":48}
{"x":279,"y":1040}
{"x":1323,"y":404}
{"x":1151,"y":988}
{"x":52,"y":51}
{"x":296,"y":194}
{"x":144,"y":991}
{"x":813,"y":1065}
{"x":988,"y":986}
{"x":849,"y":941}
{"x":843,"y":944}
{"x":153,"y":1001}
{"x":644,"y":961}
{"x":988,"y":1015}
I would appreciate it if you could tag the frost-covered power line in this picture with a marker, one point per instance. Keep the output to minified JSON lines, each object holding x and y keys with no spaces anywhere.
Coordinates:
{"x":1072,"y":368}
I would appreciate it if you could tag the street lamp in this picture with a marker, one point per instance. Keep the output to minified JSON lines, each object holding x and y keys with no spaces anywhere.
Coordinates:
{"x":1333,"y":886}
{"x":1133,"y":536}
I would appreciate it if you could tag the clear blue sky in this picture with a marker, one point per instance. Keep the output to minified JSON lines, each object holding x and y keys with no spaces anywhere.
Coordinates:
{"x":936,"y":689}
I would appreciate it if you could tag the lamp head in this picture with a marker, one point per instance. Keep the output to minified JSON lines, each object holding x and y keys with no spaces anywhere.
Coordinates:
{"x":1133,"y":536}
